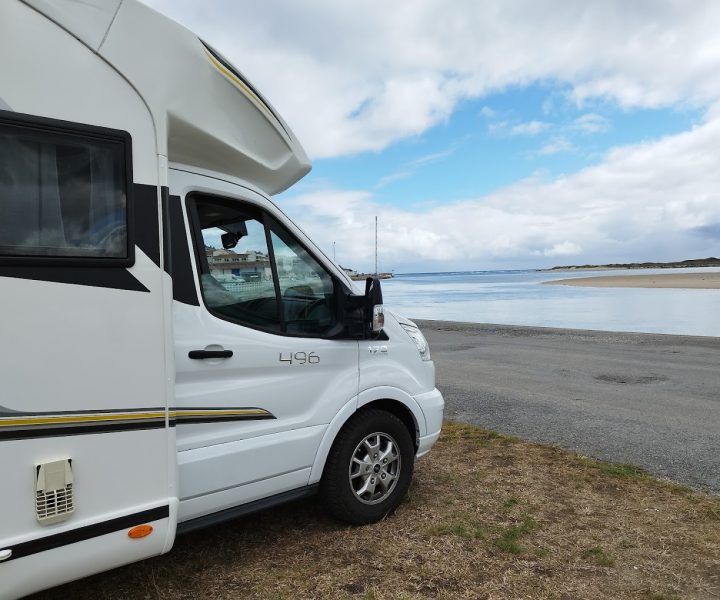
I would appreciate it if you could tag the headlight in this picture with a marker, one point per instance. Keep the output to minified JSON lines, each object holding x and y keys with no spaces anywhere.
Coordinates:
{"x":419,"y":339}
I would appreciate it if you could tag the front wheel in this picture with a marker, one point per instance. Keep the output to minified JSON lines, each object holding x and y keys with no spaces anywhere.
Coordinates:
{"x":369,"y":468}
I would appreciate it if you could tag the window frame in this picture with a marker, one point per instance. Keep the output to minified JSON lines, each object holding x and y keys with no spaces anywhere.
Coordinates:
{"x":202,"y":266}
{"x":59,"y":130}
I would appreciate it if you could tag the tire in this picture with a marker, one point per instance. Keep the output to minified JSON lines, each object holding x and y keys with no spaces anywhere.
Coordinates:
{"x":369,"y":468}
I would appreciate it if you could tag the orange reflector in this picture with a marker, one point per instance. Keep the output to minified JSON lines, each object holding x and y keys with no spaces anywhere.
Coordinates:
{"x":140,"y":531}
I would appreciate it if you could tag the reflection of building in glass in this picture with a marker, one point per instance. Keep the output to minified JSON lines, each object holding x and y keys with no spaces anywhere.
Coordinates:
{"x":293,"y":267}
{"x":251,"y":265}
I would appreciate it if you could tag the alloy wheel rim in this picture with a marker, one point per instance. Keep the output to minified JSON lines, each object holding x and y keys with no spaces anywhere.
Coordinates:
{"x":374,"y":468}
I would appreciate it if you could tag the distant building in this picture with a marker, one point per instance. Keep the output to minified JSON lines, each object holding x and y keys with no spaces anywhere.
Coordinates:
{"x":250,"y":265}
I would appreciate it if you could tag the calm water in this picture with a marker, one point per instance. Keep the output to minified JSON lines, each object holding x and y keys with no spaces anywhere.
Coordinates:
{"x":518,"y":298}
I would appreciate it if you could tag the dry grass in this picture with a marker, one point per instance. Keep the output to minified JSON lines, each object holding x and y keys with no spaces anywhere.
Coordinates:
{"x":487,"y":517}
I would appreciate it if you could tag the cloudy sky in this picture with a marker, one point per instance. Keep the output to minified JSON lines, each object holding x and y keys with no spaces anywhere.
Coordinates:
{"x":504,"y":134}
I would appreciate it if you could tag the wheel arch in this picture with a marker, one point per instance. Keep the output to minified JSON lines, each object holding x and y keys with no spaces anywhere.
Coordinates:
{"x":401,"y":411}
{"x":392,"y":400}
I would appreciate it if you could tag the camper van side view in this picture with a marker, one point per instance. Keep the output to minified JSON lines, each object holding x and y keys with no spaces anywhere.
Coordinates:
{"x":175,"y":350}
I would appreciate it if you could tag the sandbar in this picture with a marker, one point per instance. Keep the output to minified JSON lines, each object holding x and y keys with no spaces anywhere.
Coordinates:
{"x":697,"y":281}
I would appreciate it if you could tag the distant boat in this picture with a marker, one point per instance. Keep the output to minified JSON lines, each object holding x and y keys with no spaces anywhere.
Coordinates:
{"x":355,"y":276}
{"x":363,"y":276}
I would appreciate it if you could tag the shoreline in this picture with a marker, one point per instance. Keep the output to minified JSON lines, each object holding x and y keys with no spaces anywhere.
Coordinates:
{"x":693,"y":263}
{"x":696,"y":281}
{"x":506,"y":330}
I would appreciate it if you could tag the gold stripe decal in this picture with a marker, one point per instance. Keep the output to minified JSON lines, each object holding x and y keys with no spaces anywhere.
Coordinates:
{"x":78,"y":419}
{"x":19,"y":425}
{"x":239,"y":83}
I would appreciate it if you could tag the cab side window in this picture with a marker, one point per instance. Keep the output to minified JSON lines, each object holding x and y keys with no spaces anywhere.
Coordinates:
{"x":306,"y":288}
{"x":253,"y":272}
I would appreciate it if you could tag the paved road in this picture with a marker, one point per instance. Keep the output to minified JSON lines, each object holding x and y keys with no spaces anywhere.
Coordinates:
{"x":649,"y":400}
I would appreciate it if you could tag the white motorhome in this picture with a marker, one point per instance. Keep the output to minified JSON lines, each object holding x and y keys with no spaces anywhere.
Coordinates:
{"x":174,"y":350}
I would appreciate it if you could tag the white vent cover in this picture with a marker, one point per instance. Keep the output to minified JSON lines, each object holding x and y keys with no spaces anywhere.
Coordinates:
{"x":54,"y":491}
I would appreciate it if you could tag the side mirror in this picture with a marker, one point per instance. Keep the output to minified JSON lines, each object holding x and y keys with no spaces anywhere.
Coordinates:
{"x":374,"y":311}
{"x":361,"y":316}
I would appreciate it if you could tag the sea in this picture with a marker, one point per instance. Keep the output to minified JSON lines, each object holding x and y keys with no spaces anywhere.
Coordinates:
{"x":519,"y":298}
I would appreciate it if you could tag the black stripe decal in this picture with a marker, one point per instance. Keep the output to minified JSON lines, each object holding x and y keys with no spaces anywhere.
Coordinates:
{"x":41,"y":431}
{"x":177,"y":253}
{"x":217,"y":419}
{"x":147,"y":223}
{"x":10,"y":412}
{"x":182,"y":419}
{"x":105,"y":277}
{"x":88,"y":532}
{"x":126,"y":422}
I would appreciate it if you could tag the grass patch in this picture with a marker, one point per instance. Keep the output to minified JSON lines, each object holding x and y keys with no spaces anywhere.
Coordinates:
{"x":508,"y":540}
{"x":487,"y":518}
{"x":598,"y":556}
{"x":463,"y":431}
{"x":510,"y":502}
{"x":614,"y":469}
{"x":713,"y":514}
{"x":459,"y":528}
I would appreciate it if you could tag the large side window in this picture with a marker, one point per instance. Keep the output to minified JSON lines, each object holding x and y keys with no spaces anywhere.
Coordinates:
{"x":254,"y":272}
{"x":63,"y":193}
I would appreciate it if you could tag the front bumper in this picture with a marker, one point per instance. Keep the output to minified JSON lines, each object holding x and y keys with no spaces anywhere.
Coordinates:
{"x":432,"y":406}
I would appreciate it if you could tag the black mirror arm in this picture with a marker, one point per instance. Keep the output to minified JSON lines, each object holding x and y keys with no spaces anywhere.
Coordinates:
{"x":356,"y":313}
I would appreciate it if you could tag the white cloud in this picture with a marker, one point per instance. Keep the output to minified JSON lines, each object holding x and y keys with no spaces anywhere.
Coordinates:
{"x":591,"y":123}
{"x":409,"y":169}
{"x":507,"y":128}
{"x":563,"y":249}
{"x":650,"y":201}
{"x":433,"y":157}
{"x":351,"y":78}
{"x":558,"y":144}
{"x":529,"y":128}
{"x":393,"y":177}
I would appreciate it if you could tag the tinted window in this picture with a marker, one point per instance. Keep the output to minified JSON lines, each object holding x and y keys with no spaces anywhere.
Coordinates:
{"x":307,"y":289}
{"x":253,"y":272}
{"x":237,"y":282}
{"x":61,"y":195}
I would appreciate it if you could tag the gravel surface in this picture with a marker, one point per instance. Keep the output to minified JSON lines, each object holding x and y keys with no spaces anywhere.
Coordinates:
{"x":644,"y":399}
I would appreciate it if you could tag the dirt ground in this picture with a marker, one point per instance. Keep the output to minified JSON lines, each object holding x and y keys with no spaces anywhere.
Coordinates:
{"x":488,"y":516}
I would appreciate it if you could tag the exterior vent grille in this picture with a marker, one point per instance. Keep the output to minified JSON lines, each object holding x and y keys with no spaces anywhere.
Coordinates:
{"x":53,"y":503}
{"x":54,"y":491}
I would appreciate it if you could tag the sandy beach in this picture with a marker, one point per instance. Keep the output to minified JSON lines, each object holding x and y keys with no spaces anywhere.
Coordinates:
{"x":698,"y":281}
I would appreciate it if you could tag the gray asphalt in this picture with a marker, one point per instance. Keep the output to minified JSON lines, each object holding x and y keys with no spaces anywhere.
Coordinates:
{"x":644,"y":399}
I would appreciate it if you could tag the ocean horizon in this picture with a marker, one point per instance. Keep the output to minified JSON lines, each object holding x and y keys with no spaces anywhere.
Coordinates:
{"x":517,"y":297}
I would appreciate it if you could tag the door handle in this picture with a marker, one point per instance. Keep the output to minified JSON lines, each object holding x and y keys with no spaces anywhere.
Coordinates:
{"x":201,"y":354}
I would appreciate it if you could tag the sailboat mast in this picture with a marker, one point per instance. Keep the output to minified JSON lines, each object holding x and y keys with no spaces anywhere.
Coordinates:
{"x":376,"y":256}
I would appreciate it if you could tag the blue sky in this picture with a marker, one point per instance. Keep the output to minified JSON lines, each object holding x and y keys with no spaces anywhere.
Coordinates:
{"x":487,"y":144}
{"x":490,"y":134}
